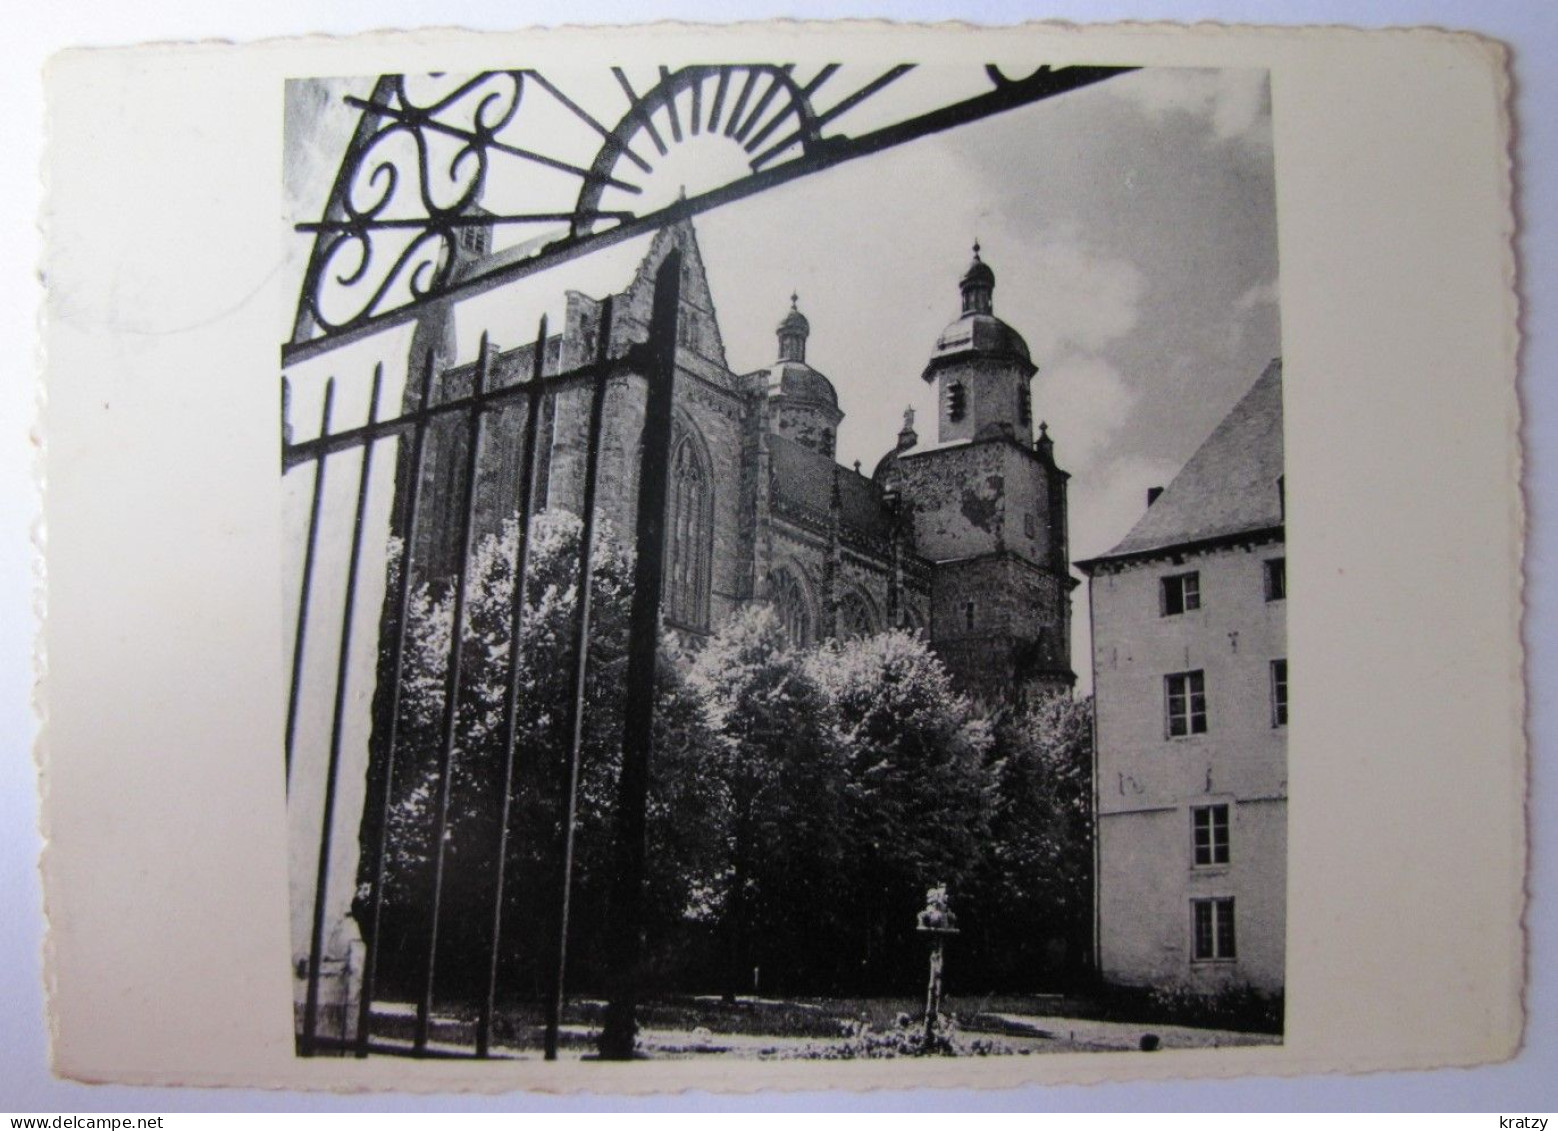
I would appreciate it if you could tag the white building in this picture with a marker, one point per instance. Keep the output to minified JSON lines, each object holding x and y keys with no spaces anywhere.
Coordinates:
{"x":1190,"y":677}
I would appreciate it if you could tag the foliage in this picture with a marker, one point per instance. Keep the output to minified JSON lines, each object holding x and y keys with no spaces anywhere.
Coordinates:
{"x":1030,"y":900}
{"x":1239,"y":1007}
{"x":916,"y":793}
{"x":781,"y":783}
{"x":906,"y":1038}
{"x":542,"y":744}
{"x":802,"y":801}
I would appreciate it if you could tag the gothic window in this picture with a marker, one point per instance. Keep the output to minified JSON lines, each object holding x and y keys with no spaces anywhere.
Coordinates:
{"x":855,"y":617}
{"x":689,"y":536}
{"x":789,"y":602}
{"x":1025,"y":403}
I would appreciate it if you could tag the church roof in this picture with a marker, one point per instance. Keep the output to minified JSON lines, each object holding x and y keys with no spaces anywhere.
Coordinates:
{"x":978,"y":332}
{"x":981,"y":334}
{"x":1229,"y":487}
{"x":805,"y":478}
{"x":799,"y":380}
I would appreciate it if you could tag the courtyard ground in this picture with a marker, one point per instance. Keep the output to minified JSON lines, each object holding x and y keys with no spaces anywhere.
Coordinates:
{"x":812,"y":1028}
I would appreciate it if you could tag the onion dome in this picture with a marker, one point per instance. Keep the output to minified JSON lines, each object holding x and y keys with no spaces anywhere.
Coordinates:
{"x":800,"y":382}
{"x":978,"y":332}
{"x":793,"y":332}
{"x":790,"y":376}
{"x":977,"y":284}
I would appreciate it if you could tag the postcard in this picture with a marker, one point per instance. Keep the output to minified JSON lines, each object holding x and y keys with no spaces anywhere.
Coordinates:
{"x":758,"y":557}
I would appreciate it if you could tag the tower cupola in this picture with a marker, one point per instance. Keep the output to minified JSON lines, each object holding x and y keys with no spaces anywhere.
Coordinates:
{"x":802,"y":403}
{"x":978,"y":285}
{"x":793,"y":332}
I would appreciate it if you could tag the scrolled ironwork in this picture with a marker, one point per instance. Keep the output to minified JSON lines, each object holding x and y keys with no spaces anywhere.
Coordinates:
{"x":399,"y":199}
{"x":384,"y":246}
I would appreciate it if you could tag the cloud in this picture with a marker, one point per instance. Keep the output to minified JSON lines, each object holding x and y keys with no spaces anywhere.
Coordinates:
{"x":1080,"y":299}
{"x":1085,"y":401}
{"x":1233,"y":104}
{"x":1104,"y":505}
{"x":1261,"y":294}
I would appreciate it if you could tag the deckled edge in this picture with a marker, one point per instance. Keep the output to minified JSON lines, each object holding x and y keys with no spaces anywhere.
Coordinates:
{"x":1498,"y":55}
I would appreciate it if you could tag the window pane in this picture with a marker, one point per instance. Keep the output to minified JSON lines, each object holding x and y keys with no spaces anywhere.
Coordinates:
{"x":1279,"y":693}
{"x":1203,"y":929}
{"x":1276,"y":579}
{"x":1224,"y":928}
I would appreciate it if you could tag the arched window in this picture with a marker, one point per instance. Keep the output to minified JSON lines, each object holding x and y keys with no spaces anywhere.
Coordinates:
{"x":789,"y":602}
{"x":689,"y":536}
{"x":855,"y":617}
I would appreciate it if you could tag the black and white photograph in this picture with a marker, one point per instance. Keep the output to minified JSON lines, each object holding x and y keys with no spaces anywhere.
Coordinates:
{"x":784,"y":561}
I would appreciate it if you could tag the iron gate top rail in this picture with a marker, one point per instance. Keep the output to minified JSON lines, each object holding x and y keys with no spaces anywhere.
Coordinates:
{"x":634,"y":361}
{"x":426,"y":267}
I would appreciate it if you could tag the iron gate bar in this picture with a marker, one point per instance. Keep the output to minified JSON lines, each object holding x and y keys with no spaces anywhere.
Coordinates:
{"x":479,"y":221}
{"x":796,"y":107}
{"x":736,"y":111}
{"x":485,"y":138}
{"x":585,"y":117}
{"x":719,"y":98}
{"x":362,"y":137}
{"x":624,"y":940}
{"x":306,"y":450}
{"x":381,"y":786}
{"x":670,"y":106}
{"x":521,"y":575}
{"x":337,"y":724}
{"x":825,"y":153}
{"x":581,"y":660}
{"x":452,"y":687}
{"x":308,"y":578}
{"x":637,"y":110}
{"x":775,"y":83}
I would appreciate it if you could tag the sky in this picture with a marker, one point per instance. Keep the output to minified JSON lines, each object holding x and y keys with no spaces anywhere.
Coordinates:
{"x":1131,"y":226}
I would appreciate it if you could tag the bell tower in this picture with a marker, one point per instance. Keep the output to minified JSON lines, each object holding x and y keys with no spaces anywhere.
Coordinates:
{"x":989,"y":508}
{"x":981,"y":368}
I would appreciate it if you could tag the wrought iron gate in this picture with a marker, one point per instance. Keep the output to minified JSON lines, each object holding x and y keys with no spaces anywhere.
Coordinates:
{"x":352,"y":488}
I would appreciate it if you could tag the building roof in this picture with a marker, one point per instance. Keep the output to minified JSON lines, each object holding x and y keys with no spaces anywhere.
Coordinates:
{"x":977,"y":331}
{"x":805,"y":478}
{"x":798,"y":380}
{"x":1229,"y":487}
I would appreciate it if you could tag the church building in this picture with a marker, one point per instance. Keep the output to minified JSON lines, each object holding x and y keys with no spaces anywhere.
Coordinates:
{"x":962,"y":537}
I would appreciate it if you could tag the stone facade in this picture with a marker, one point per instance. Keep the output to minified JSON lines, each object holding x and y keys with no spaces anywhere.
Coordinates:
{"x":760,"y":509}
{"x":1190,"y":683}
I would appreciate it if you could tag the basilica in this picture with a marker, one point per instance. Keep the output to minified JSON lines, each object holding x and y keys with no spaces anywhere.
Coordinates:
{"x":960,"y":536}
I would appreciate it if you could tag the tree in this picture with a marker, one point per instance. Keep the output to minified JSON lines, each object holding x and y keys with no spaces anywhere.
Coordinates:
{"x":917,"y":792}
{"x":541,"y":752}
{"x":781,"y":790}
{"x":1031,"y":898}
